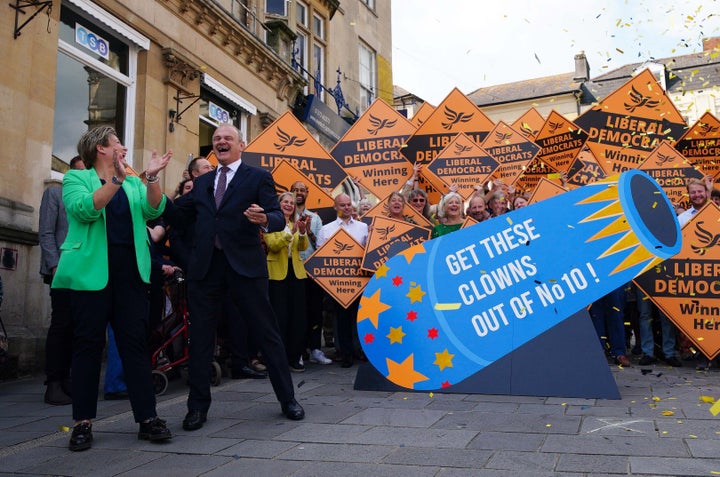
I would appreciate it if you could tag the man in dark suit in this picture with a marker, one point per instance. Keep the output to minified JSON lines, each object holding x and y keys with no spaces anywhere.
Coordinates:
{"x":229,"y":207}
{"x":52,"y":231}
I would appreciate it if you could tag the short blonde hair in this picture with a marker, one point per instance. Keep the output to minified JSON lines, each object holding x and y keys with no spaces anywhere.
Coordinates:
{"x":444,"y":201}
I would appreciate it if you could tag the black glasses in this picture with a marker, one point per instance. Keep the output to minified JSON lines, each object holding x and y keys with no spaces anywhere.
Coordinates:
{"x":418,"y":199}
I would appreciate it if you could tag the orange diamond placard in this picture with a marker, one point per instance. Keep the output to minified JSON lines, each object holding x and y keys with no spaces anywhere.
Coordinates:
{"x":511,"y":149}
{"x":701,"y":145}
{"x":687,"y":287}
{"x":456,"y":113}
{"x":336,"y":268}
{"x":422,"y":114}
{"x":388,"y":237}
{"x":462,"y":163}
{"x":409,"y":212}
{"x":672,"y":171}
{"x":630,"y":122}
{"x":285,"y":175}
{"x":370,"y":149}
{"x":287,"y":139}
{"x":585,"y":170}
{"x":529,"y":123}
{"x":561,"y":141}
{"x":544,"y":190}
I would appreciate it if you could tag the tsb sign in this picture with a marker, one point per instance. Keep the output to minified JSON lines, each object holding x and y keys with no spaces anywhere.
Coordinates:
{"x":218,"y":113}
{"x":91,"y":41}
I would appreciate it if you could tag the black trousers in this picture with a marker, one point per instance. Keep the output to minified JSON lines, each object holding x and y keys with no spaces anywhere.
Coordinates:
{"x":346,"y":328}
{"x":58,"y":346}
{"x":314,"y":314}
{"x":288,"y":301}
{"x":124,"y":304}
{"x":250,"y":297}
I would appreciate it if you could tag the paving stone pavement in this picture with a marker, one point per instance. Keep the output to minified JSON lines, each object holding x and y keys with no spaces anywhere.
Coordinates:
{"x":660,"y":427}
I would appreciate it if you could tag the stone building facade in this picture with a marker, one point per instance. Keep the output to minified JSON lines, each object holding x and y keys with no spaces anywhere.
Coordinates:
{"x":163,"y":73}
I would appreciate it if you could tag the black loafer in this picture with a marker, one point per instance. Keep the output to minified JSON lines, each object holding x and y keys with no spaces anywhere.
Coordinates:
{"x":194,"y":420}
{"x":81,"y":438}
{"x":293,"y":410}
{"x":154,"y":430}
{"x":246,"y":372}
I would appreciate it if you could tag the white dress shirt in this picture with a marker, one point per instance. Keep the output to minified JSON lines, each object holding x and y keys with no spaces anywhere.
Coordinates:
{"x":357,"y":230}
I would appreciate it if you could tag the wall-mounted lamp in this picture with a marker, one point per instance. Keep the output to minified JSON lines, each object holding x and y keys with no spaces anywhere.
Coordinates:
{"x":172,"y":113}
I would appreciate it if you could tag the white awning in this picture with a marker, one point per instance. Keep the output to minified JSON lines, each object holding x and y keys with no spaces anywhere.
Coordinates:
{"x":115,"y":24}
{"x":228,"y":94}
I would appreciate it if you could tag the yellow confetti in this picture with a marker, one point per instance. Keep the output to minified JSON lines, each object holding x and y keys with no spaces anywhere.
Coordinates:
{"x":692,"y":436}
{"x":668,"y":413}
{"x":64,"y":428}
{"x":432,"y":395}
{"x":655,"y":398}
{"x":715,"y":409}
{"x":548,"y":425}
{"x":664,"y":432}
{"x":707,"y":399}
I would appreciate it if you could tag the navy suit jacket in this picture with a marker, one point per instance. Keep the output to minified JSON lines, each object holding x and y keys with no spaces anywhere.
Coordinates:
{"x":239,"y":237}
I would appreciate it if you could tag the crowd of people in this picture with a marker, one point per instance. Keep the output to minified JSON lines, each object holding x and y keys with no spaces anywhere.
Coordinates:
{"x":109,"y":240}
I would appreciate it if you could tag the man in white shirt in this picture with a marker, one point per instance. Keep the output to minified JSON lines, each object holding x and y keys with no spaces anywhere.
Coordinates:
{"x":357,"y":230}
{"x":698,"y":193}
{"x":345,"y":317}
{"x":314,"y":294}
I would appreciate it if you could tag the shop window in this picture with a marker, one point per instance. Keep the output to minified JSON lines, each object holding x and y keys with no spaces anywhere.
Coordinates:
{"x":95,"y":82}
{"x":367,"y":65}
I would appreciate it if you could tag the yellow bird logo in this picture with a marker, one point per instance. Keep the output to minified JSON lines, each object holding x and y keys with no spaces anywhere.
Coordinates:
{"x":379,"y":124}
{"x":287,"y":140}
{"x":454,"y":118}
{"x":639,"y":101}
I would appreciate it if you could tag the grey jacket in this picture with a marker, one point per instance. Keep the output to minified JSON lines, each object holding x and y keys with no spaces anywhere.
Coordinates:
{"x":52,"y":230}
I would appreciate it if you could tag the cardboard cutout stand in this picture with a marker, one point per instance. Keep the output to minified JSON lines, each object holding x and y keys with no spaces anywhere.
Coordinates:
{"x":565,"y":361}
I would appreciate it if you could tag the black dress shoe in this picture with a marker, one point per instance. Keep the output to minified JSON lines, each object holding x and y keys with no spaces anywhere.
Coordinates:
{"x":293,"y":410}
{"x":246,"y":372}
{"x":154,"y":430}
{"x":81,"y":438}
{"x":194,"y":420}
{"x":117,"y":396}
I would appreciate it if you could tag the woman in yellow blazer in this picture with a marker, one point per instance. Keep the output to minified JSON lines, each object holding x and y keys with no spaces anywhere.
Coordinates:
{"x":287,"y":280}
{"x":105,"y":264}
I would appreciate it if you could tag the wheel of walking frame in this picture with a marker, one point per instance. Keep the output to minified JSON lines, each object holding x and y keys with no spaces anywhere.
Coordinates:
{"x":160,"y":382}
{"x":215,"y":374}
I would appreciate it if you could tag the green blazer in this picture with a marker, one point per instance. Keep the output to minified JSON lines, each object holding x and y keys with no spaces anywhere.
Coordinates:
{"x":84,"y":254}
{"x":277,"y":257}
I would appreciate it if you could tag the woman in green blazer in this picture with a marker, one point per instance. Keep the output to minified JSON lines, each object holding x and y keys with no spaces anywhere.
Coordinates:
{"x":287,"y":280}
{"x":105,"y":263}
